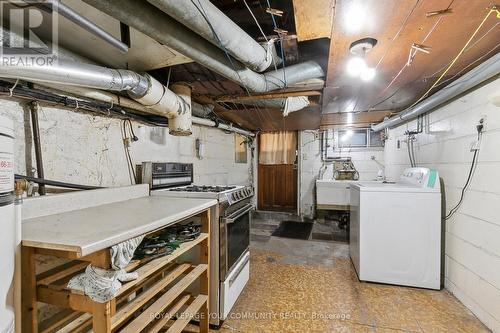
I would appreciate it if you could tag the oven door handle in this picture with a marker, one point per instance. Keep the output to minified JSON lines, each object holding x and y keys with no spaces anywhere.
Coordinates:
{"x":237,"y":214}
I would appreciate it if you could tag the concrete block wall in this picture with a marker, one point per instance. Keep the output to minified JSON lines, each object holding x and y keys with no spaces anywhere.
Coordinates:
{"x":81,"y":148}
{"x":310,"y":163}
{"x":472,"y":263}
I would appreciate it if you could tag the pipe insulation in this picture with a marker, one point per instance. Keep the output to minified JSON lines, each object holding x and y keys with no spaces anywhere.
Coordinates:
{"x":154,"y":23}
{"x":180,"y":125}
{"x":209,"y":22}
{"x":469,"y":80}
{"x":144,"y":89}
{"x":198,"y":110}
{"x":287,"y":105}
{"x":64,"y":71}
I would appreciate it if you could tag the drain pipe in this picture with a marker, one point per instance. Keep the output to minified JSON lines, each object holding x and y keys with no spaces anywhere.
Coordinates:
{"x":34,"y":109}
{"x":221,"y":31}
{"x":144,"y":89}
{"x":156,"y":24}
{"x":474,"y":77}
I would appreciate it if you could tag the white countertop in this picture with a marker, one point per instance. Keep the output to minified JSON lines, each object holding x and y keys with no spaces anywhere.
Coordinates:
{"x":91,"y":229}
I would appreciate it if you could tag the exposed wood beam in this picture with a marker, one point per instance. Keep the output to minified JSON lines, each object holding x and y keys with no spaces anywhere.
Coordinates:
{"x":352,"y":118}
{"x":240,"y":98}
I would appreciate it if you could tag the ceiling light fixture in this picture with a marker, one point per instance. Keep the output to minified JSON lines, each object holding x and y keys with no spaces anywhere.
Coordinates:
{"x":368,"y":74}
{"x":356,"y":65}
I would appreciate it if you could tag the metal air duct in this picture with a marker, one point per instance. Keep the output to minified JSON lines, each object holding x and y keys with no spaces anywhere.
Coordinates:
{"x":144,"y":89}
{"x":481,"y":73}
{"x":209,"y":22}
{"x":154,"y":23}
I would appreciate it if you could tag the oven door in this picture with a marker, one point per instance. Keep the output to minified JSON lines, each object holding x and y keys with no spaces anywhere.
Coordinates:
{"x":236,"y":237}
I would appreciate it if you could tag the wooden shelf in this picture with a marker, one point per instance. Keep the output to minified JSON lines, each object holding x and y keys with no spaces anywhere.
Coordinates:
{"x":187,"y":315}
{"x":152,"y":266}
{"x":155,"y":310}
{"x":149,"y":302}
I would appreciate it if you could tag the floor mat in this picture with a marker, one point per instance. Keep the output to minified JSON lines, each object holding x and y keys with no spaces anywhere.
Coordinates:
{"x":297,"y":230}
{"x":336,"y":237}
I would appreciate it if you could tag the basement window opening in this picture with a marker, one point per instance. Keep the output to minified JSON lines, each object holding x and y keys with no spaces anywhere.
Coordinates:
{"x":337,"y":141}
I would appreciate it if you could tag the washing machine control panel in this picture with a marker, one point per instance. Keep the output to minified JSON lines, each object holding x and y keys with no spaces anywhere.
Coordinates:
{"x":423,"y":177}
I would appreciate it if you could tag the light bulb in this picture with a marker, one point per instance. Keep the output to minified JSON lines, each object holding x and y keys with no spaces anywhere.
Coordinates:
{"x":367,"y":74}
{"x":355,"y":66}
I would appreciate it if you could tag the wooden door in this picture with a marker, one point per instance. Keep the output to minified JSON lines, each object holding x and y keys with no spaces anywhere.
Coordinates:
{"x":277,"y":187}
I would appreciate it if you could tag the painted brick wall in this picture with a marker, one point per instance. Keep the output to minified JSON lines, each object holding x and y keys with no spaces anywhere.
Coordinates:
{"x":310,"y":164}
{"x":81,"y":148}
{"x":473,"y":234}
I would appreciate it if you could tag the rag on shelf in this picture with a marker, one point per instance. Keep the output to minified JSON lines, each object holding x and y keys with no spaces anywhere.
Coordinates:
{"x":102,"y":285}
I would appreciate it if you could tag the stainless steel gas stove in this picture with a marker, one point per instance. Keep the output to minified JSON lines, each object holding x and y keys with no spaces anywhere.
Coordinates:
{"x":230,"y":258}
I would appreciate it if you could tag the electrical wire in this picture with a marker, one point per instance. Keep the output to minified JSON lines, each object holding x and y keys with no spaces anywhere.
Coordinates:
{"x":126,"y":145}
{"x":468,"y":181}
{"x":413,"y":53}
{"x":493,"y":9}
{"x":275,"y":25}
{"x":200,"y":8}
{"x":83,"y":105}
{"x":467,"y":49}
{"x":466,"y":67}
{"x":403,"y":25}
{"x":256,"y":21}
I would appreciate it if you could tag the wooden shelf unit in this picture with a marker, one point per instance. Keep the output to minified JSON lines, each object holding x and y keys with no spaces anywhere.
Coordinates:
{"x":148,"y":304}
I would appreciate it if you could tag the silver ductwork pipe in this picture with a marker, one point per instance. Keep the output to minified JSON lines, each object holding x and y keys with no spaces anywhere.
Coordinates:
{"x":211,"y":123}
{"x":200,"y":110}
{"x":286,"y":104}
{"x":156,"y":24}
{"x":144,"y":89}
{"x":474,"y":77}
{"x":62,"y":71}
{"x":209,"y":22}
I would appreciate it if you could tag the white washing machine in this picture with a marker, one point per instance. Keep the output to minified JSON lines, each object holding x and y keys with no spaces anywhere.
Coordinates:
{"x":395,"y":230}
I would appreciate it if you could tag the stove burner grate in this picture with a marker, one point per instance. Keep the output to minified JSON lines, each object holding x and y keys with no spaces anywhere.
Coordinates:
{"x":203,"y":188}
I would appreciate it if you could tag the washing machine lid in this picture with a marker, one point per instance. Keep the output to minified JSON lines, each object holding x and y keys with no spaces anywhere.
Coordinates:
{"x":393,"y":187}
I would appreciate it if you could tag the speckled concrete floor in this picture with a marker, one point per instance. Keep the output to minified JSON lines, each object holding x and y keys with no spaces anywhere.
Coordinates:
{"x":310,"y":286}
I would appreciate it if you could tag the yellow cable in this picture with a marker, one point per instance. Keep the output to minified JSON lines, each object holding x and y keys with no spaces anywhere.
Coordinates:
{"x":493,"y":9}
